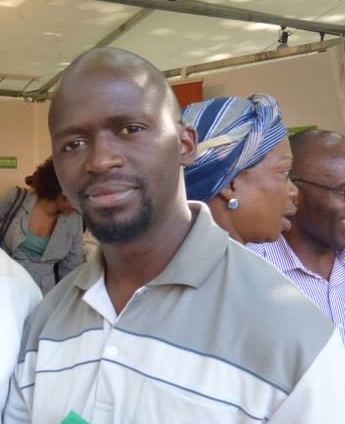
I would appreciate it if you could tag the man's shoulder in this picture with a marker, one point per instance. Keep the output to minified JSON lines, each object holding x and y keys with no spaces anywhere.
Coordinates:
{"x":77,"y":281}
{"x":254,"y":254}
{"x":55,"y":315}
{"x":274,"y":311}
{"x":265,"y":283}
{"x":279,"y":253}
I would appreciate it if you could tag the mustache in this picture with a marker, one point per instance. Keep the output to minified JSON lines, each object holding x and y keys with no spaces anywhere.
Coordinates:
{"x":108,"y":180}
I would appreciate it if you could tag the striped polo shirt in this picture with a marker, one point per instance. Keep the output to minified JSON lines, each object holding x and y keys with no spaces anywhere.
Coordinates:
{"x":215,"y":338}
{"x":328,"y":295}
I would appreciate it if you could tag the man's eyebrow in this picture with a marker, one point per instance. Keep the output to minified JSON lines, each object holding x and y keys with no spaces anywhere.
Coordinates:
{"x":124,"y":118}
{"x":66,"y":131}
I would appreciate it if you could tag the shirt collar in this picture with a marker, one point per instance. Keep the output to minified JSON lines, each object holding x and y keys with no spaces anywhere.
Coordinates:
{"x":205,"y":243}
{"x":280,"y":252}
{"x":192,"y":263}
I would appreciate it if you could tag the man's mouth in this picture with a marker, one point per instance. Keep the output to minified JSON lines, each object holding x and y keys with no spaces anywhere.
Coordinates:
{"x":111,"y":194}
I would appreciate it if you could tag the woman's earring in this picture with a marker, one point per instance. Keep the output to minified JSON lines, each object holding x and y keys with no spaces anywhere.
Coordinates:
{"x":233,"y":203}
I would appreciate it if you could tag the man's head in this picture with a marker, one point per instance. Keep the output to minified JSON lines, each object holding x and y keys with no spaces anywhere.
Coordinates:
{"x":119,"y":144}
{"x":318,"y":171}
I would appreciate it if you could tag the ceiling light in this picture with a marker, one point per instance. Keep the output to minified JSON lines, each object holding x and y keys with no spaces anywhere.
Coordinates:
{"x":283,"y":37}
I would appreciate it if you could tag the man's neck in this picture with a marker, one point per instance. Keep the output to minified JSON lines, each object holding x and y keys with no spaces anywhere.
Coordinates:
{"x":131,"y":265}
{"x":315,"y":257}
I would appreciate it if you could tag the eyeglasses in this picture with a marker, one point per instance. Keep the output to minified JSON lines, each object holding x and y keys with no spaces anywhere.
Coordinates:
{"x":340,"y":191}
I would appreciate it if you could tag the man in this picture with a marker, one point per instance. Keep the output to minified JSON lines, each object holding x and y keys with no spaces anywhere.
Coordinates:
{"x":19,"y":296}
{"x":171,"y":322}
{"x":312,"y":252}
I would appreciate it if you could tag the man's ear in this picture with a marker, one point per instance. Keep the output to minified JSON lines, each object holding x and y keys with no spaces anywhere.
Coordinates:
{"x":188,"y":144}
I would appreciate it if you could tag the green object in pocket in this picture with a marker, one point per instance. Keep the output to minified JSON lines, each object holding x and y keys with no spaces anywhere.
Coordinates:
{"x":73,"y":418}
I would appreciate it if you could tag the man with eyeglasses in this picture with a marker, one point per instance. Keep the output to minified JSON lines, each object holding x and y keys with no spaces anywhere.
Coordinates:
{"x":312,"y":253}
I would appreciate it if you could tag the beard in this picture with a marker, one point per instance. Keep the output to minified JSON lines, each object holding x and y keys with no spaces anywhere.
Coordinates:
{"x":108,"y":230}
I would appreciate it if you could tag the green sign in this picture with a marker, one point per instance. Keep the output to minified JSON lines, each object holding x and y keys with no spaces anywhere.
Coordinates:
{"x":8,"y":162}
{"x":294,"y":130}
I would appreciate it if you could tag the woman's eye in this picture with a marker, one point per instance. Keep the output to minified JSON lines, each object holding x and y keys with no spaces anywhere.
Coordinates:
{"x":286,"y":174}
{"x":74,"y":144}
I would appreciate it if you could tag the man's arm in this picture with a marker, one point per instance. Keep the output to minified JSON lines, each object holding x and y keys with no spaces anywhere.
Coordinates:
{"x":319,"y":397}
{"x":16,"y":411}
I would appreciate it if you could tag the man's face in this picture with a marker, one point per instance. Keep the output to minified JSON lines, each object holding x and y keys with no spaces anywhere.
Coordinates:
{"x":117,"y":151}
{"x":321,"y":213}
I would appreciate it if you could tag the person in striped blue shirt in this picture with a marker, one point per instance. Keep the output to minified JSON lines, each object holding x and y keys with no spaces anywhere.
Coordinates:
{"x":312,"y":253}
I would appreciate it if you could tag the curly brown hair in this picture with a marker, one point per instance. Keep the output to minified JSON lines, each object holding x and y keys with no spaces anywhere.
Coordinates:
{"x":44,"y":181}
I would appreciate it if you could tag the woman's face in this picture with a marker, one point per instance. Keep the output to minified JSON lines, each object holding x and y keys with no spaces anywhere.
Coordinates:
{"x":266,"y":197}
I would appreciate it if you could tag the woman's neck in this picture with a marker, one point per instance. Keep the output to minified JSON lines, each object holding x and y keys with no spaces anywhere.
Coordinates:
{"x":47,"y":206}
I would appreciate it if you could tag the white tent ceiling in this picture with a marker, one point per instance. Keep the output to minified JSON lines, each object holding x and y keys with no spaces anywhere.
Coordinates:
{"x":40,"y":37}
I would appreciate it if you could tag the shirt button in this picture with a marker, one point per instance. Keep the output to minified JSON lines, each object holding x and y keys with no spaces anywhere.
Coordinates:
{"x":111,"y":351}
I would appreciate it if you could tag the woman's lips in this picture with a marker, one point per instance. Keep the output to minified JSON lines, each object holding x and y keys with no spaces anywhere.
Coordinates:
{"x":286,"y":224}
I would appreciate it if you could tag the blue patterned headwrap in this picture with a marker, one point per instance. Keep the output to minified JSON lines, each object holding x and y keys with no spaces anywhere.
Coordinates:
{"x":234,"y":134}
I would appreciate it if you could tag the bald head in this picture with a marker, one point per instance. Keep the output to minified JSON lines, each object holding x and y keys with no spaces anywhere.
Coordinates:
{"x":314,"y":150}
{"x":111,"y":59}
{"x":109,"y":62}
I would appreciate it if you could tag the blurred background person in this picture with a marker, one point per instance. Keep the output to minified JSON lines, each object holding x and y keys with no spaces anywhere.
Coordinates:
{"x":243,"y":164}
{"x":312,"y":253}
{"x":19,"y":296}
{"x":45,"y":235}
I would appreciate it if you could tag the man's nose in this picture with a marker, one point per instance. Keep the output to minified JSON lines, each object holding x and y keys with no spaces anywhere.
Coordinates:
{"x":105,"y":154}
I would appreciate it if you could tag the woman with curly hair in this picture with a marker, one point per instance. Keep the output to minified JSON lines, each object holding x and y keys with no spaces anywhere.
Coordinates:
{"x":45,"y":235}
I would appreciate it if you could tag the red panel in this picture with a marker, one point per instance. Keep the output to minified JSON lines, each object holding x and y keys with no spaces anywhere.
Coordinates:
{"x":188,"y":92}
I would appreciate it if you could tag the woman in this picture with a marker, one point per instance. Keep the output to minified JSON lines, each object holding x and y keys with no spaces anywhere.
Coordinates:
{"x":243,"y":164}
{"x":45,"y":235}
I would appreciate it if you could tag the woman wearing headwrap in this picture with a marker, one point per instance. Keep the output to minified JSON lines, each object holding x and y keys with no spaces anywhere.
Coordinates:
{"x":243,"y":164}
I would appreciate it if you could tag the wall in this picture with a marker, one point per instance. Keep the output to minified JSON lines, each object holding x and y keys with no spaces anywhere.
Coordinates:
{"x":309,"y":88}
{"x":23,"y":134}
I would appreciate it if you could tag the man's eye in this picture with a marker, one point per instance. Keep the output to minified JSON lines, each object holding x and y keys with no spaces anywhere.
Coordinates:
{"x":74,"y":144}
{"x":131,"y":129}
